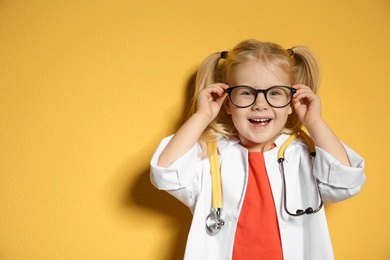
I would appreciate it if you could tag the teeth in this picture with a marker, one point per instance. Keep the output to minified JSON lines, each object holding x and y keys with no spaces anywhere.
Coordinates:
{"x":258,"y":120}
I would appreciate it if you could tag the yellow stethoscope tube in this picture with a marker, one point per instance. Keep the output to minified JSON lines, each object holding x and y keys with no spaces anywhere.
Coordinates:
{"x":215,"y":175}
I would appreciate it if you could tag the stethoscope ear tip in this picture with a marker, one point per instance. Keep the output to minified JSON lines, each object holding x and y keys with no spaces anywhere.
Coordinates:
{"x":308,"y":211}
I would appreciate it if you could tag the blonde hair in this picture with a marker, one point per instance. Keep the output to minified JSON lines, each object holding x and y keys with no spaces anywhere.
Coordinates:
{"x":299,"y":62}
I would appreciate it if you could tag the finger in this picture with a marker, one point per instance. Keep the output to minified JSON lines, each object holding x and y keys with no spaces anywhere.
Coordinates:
{"x":298,"y":104}
{"x":217,"y":90}
{"x":300,"y":86}
{"x":220,"y":86}
{"x":304,"y":93}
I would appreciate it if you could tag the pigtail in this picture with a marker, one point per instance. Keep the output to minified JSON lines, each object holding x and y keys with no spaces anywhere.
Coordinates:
{"x":306,"y":69}
{"x":205,"y":76}
{"x":208,"y":73}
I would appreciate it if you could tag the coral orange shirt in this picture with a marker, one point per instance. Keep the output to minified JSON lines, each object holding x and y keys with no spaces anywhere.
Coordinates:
{"x":257,"y":234}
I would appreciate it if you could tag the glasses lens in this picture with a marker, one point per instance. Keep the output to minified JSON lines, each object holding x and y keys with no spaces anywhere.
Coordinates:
{"x":243,"y":96}
{"x":279,"y":96}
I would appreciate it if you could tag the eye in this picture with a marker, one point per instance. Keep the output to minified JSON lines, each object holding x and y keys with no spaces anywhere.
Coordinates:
{"x":275,"y":92}
{"x":245,"y":92}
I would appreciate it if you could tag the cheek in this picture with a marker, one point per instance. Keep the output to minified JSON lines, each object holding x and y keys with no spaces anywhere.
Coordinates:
{"x":239,"y":116}
{"x":282,"y":115}
{"x":237,"y":121}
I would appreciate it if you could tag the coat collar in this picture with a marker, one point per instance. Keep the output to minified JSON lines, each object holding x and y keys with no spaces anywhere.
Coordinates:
{"x":224,"y":144}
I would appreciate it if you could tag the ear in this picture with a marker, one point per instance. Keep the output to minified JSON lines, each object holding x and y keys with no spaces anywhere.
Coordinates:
{"x":290,"y":109}
{"x":227,"y":106}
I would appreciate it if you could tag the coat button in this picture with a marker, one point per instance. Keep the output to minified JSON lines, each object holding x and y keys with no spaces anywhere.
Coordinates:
{"x":284,"y":225}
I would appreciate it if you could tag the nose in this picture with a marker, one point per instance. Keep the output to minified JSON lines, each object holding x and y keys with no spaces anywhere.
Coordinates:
{"x":260,"y":103}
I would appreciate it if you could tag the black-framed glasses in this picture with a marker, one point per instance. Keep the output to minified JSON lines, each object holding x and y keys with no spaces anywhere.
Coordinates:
{"x":276,"y":96}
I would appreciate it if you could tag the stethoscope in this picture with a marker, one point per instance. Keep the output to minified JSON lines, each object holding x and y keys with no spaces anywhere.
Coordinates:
{"x":214,"y":222}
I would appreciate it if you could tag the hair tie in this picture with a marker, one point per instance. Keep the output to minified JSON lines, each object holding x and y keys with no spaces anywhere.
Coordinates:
{"x":291,"y":52}
{"x":224,"y":54}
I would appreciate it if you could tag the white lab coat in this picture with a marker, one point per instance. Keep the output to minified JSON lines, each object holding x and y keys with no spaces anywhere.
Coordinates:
{"x":305,"y":237}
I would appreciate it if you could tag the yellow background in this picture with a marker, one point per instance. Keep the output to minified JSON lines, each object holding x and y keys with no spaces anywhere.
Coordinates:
{"x":89,"y":88}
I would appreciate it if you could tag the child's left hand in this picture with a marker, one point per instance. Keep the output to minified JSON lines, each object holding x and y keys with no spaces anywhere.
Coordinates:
{"x":307,"y":105}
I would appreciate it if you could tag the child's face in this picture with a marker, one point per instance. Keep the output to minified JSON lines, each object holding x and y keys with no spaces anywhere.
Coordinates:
{"x":259,"y":123}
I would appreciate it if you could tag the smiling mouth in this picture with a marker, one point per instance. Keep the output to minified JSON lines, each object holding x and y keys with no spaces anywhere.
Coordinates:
{"x":260,"y":121}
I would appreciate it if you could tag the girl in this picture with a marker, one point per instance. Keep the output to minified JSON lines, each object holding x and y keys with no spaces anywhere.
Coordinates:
{"x":250,"y":103}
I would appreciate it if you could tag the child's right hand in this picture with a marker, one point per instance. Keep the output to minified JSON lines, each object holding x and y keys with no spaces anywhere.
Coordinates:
{"x":209,"y":104}
{"x":210,"y":100}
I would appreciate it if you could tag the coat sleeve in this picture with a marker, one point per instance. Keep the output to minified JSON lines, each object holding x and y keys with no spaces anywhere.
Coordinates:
{"x":338,"y":182}
{"x":181,"y":178}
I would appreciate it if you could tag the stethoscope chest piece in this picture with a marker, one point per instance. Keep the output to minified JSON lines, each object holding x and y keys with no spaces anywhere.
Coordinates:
{"x":214,"y":222}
